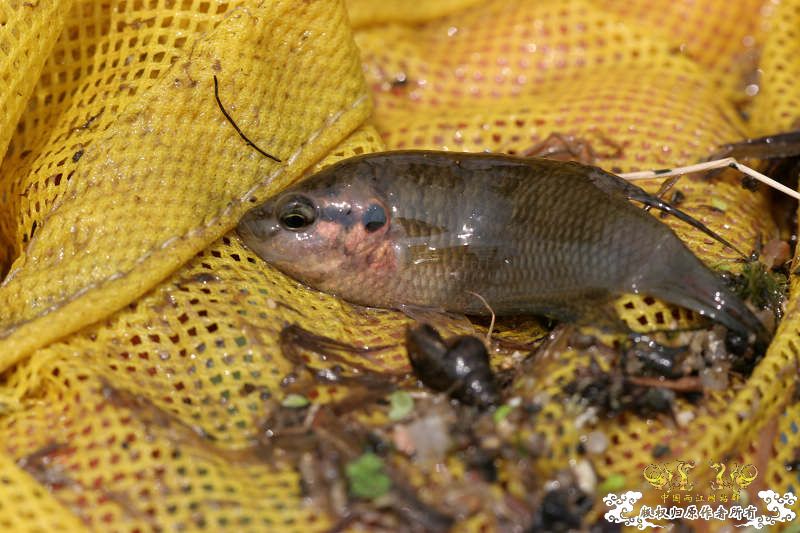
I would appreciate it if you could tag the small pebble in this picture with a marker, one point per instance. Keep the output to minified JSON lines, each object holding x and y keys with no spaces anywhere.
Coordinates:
{"x":585,"y":477}
{"x":430,"y":437}
{"x":715,"y":345}
{"x":684,"y":418}
{"x":714,"y":378}
{"x":596,"y":442}
{"x":589,"y":416}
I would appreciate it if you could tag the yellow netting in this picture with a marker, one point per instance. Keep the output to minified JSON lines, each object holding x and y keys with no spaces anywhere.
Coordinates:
{"x":121,"y":183}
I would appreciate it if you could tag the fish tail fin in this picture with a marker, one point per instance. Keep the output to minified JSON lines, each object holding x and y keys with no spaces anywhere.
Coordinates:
{"x":703,"y":291}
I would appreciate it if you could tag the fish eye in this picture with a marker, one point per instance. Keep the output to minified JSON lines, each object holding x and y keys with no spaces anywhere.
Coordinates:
{"x":374,"y":218}
{"x":297,"y":213}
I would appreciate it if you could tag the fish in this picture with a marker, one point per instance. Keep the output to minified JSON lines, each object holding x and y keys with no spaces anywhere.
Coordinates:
{"x":780,"y":145}
{"x":445,"y":230}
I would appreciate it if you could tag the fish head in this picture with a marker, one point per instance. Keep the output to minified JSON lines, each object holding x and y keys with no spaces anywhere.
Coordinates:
{"x":322,"y":230}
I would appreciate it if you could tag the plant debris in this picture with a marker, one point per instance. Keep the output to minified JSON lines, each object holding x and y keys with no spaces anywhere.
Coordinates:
{"x":367,"y":478}
{"x":764,"y":288}
{"x":402,"y":404}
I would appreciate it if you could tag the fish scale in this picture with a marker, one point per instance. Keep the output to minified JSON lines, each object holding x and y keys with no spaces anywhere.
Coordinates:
{"x":530,"y":236}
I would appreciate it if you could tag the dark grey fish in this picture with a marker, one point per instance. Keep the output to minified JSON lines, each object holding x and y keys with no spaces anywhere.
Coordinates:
{"x":531,"y":236}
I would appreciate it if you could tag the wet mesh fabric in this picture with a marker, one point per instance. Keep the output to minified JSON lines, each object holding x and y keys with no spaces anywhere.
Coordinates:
{"x":121,"y":185}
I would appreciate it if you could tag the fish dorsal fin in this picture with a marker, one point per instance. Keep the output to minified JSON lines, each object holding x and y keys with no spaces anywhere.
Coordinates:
{"x":614,"y":185}
{"x":778,"y":146}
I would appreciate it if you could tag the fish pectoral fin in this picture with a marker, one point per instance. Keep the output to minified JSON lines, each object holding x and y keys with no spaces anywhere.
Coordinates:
{"x":587,"y":308}
{"x":600,"y":313}
{"x":461,"y":255}
{"x":417,"y":226}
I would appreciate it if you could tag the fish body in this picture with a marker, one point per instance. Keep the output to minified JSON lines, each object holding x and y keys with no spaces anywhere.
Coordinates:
{"x":530,"y":236}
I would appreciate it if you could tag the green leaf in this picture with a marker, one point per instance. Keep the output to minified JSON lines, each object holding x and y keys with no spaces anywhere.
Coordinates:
{"x":501,"y":413}
{"x":367,"y":478}
{"x":401,"y":404}
{"x":719,"y":204}
{"x":612,"y":483}
{"x":295,"y":401}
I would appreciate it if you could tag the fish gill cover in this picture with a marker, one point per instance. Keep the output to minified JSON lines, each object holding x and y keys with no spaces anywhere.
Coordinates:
{"x":144,"y":366}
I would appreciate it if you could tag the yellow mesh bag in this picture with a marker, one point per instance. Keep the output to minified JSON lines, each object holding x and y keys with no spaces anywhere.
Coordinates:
{"x":139,"y":339}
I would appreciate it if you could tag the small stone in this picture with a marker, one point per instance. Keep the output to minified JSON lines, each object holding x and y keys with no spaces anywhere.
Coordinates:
{"x":683,"y":418}
{"x":585,"y":477}
{"x":596,"y":442}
